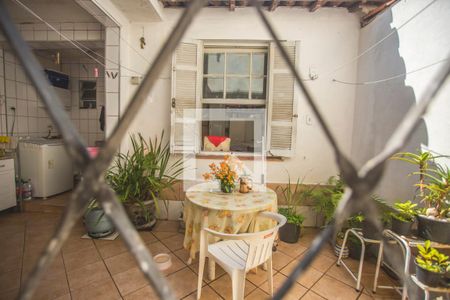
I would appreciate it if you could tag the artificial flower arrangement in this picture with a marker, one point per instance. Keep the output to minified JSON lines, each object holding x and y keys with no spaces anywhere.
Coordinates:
{"x":226,"y":173}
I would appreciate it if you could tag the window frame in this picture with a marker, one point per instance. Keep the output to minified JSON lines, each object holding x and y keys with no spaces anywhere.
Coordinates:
{"x":236,"y":48}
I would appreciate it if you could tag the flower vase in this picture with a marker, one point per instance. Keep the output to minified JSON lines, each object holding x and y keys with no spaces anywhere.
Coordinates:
{"x":226,"y":188}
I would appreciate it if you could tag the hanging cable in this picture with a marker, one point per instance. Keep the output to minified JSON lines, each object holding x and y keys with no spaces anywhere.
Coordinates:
{"x":76,"y":44}
{"x":392,"y":77}
{"x":376,"y":44}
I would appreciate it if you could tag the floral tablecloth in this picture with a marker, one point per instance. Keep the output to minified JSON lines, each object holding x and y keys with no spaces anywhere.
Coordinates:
{"x":206,"y":206}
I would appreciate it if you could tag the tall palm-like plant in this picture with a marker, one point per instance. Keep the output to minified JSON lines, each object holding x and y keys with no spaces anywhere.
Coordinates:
{"x":144,"y":172}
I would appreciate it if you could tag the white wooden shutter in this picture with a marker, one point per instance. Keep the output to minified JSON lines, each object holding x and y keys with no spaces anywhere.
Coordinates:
{"x":186,"y":87}
{"x":282,"y":106}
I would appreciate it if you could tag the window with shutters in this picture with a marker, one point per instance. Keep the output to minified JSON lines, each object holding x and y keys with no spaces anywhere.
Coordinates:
{"x":229,"y":77}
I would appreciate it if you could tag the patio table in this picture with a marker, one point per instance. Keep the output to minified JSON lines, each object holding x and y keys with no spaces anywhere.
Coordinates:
{"x":207,"y":206}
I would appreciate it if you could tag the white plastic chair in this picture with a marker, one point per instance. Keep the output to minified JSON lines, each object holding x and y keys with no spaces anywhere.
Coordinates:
{"x":239,"y":253}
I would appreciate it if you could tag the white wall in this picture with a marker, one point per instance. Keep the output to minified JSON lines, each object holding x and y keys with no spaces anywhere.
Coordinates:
{"x":379,"y":108}
{"x":328,"y":37}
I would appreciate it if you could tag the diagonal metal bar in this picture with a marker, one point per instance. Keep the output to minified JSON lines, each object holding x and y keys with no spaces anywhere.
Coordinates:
{"x":410,"y":121}
{"x":368,"y":178}
{"x":82,"y":194}
{"x":348,"y":170}
{"x":74,"y":146}
{"x":165,"y":53}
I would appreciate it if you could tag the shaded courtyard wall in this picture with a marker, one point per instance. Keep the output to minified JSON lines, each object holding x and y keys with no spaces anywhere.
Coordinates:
{"x":379,"y":108}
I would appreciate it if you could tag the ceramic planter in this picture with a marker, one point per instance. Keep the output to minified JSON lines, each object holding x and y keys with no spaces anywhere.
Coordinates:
{"x":430,"y":278}
{"x":370,"y":231}
{"x":97,"y":223}
{"x":289,"y":233}
{"x":434,"y":229}
{"x":401,"y":227}
{"x":142,"y":215}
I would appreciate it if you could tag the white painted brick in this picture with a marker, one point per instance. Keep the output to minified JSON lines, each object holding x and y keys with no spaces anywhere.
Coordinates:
{"x":80,"y":35}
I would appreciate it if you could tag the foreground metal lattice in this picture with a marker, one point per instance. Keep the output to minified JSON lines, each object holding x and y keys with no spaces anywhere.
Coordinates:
{"x":356,"y":197}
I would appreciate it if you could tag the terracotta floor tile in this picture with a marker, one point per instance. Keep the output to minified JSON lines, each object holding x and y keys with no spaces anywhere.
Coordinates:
{"x":164,"y":234}
{"x":207,"y":294}
{"x":29,"y":263}
{"x":9,"y":295}
{"x":328,"y":251}
{"x":257,"y":276}
{"x":219,"y":271}
{"x":86,"y":275}
{"x":98,"y":290}
{"x":292,"y":250}
{"x":11,"y":262}
{"x":383,"y":279}
{"x":130,"y":281}
{"x":110,"y":248}
{"x":157,"y":247}
{"x":164,"y":225}
{"x":312,"y":296}
{"x":257,"y":294}
{"x":76,"y":244}
{"x":175,"y":242}
{"x":330,"y":288}
{"x":120,"y":263}
{"x":177,"y":265}
{"x":147,"y":237}
{"x":321,"y":262}
{"x":294,"y":293}
{"x":52,"y":286}
{"x":280,"y":260}
{"x":222,"y":286}
{"x":10,"y":280}
{"x":183,"y":282}
{"x":308,"y":278}
{"x":146,"y":293}
{"x":340,"y":273}
{"x":78,"y":259}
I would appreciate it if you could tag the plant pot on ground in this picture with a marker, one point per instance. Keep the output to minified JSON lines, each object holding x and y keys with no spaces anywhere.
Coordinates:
{"x":293,"y":197}
{"x":431,"y":266}
{"x":97,"y":224}
{"x":140,"y":175}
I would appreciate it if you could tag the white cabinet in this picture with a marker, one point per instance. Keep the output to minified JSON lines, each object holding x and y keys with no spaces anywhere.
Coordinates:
{"x":7,"y":184}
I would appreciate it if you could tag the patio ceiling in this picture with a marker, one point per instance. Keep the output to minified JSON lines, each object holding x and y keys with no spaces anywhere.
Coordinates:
{"x":368,"y":9}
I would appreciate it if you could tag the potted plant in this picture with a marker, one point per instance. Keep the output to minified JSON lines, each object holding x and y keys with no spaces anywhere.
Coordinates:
{"x":403,"y":217}
{"x":432,"y":266}
{"x":96,"y":222}
{"x":434,"y":192}
{"x":140,"y":175}
{"x":293,"y":197}
{"x":226,"y":174}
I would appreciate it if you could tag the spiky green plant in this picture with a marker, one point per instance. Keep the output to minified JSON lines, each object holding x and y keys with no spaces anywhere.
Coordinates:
{"x":144,"y":172}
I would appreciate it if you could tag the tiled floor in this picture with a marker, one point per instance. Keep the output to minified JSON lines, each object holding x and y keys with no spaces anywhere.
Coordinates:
{"x":87,"y":269}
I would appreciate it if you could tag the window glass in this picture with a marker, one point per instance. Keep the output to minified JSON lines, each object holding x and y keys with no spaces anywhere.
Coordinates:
{"x":238,"y":63}
{"x":212,"y":87}
{"x":214,"y":63}
{"x":259,"y":66}
{"x":259,"y":88}
{"x":237,"y":88}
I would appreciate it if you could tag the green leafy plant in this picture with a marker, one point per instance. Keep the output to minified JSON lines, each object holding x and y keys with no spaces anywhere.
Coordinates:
{"x":293,"y":196}
{"x":292,"y":217}
{"x":404,"y":211}
{"x":431,"y":259}
{"x":144,"y":172}
{"x":327,"y":199}
{"x":434,"y":182}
